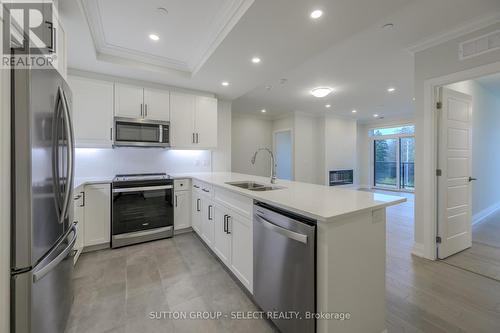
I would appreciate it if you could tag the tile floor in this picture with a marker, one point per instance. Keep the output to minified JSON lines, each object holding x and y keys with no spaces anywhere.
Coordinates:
{"x":115,"y":290}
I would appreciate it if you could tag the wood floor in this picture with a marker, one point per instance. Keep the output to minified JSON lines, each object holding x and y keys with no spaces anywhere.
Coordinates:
{"x":433,"y":296}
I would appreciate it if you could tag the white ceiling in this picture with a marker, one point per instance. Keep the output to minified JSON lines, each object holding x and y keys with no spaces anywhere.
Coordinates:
{"x":345,"y":49}
{"x":361,"y":68}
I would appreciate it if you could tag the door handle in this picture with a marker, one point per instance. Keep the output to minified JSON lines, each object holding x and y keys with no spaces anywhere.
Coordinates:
{"x":471,"y":179}
{"x":38,"y":275}
{"x":285,"y":232}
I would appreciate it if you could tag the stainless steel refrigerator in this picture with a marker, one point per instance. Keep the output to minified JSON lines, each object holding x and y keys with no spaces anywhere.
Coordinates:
{"x":43,"y":233}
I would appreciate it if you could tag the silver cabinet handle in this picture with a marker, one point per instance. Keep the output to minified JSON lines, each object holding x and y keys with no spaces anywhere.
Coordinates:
{"x":285,"y":232}
{"x":175,"y":200}
{"x":142,"y":110}
{"x":225,"y":223}
{"x":228,"y":230}
{"x":38,"y":275}
{"x":196,"y":186}
{"x":193,"y":139}
{"x":142,"y":189}
{"x":146,"y":110}
{"x":111,"y":133}
{"x":205,"y":190}
{"x":471,"y":179}
{"x":210,"y":217}
{"x":198,"y":205}
{"x":197,"y":140}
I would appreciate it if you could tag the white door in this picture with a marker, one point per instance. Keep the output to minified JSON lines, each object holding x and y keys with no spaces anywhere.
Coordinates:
{"x":129,"y":101}
{"x":454,"y":161}
{"x":206,"y":122}
{"x":97,"y":214}
{"x":182,"y":212}
{"x":157,"y":104}
{"x":92,"y":112}
{"x":196,"y":213}
{"x":222,"y":237}
{"x":182,"y":108}
{"x":283,"y":153}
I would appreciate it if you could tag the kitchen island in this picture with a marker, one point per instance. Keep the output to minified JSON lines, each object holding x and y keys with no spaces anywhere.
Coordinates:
{"x":350,"y":241}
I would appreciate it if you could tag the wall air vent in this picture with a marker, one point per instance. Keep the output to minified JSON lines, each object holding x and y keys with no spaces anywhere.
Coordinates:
{"x":479,"y":45}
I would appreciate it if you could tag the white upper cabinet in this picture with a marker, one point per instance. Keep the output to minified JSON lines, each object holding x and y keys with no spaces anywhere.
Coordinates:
{"x":92,"y":113}
{"x":129,"y":101}
{"x":193,"y":121}
{"x":206,"y":122}
{"x":157,"y":104}
{"x":138,"y":102}
{"x":182,"y":120}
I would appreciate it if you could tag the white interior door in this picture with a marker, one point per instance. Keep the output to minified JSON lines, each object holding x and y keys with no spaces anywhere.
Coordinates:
{"x":454,"y":161}
{"x":283,"y":153}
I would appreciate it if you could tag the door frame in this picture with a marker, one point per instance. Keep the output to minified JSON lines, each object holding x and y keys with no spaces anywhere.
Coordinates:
{"x":426,"y":194}
{"x":293,"y":146}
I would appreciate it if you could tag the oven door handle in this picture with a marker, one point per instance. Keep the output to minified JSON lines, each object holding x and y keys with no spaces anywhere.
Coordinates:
{"x":142,"y":189}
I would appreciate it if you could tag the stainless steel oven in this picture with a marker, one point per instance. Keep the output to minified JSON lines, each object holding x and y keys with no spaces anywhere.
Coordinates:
{"x":141,"y":132}
{"x":143,"y":208}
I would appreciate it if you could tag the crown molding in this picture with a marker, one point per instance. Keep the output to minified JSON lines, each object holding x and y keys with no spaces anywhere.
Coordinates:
{"x":461,"y":30}
{"x":224,"y":22}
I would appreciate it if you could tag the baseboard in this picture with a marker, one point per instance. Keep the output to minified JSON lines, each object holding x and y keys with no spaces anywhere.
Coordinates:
{"x":482,"y":215}
{"x":418,"y":250}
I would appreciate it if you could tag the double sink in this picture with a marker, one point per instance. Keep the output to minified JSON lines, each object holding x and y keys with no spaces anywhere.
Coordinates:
{"x":253,"y":186}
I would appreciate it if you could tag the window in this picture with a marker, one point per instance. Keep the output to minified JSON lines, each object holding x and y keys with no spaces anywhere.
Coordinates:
{"x":405,"y":130}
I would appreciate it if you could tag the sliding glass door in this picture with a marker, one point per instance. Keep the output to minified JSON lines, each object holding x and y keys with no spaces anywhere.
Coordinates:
{"x":394,"y":158}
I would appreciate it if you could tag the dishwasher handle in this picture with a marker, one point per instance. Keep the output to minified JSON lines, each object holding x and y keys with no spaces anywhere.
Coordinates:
{"x":285,"y":232}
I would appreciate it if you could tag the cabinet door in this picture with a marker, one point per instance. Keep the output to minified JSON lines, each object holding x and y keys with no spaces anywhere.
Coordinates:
{"x":129,"y":101}
{"x":92,"y":112}
{"x":97,"y":214}
{"x":182,"y":211}
{"x":196,"y":213}
{"x":242,"y":249}
{"x":206,"y":122}
{"x":207,"y":226}
{"x":60,"y":39}
{"x":79,"y":219}
{"x":156,"y":104}
{"x":182,"y":120}
{"x":222,"y":238}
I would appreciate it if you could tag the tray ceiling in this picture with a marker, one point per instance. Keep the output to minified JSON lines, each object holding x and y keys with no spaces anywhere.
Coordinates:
{"x":189,"y":30}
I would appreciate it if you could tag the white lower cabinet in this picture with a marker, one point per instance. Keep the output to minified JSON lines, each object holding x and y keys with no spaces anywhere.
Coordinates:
{"x":222,"y":236}
{"x":229,"y":233}
{"x":182,"y":210}
{"x":97,"y":203}
{"x":79,"y":220}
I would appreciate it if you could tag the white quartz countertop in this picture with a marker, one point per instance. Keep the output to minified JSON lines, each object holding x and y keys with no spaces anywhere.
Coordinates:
{"x":323,"y":203}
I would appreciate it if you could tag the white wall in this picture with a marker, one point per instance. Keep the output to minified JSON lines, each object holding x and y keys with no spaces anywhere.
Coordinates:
{"x":109,"y":162}
{"x":485,"y":144}
{"x":221,"y":157}
{"x":436,"y":62}
{"x":250,"y":133}
{"x":340,"y":145}
{"x":308,"y":144}
{"x":4,"y":193}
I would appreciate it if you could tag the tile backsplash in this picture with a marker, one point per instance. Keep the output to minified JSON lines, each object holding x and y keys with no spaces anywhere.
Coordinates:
{"x":92,"y":162}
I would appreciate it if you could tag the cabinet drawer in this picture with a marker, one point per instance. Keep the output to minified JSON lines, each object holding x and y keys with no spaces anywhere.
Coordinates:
{"x":181,"y":184}
{"x":203,"y":188}
{"x":239,"y":203}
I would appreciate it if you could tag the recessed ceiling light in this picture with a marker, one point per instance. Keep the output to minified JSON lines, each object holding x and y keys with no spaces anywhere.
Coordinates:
{"x":413,"y":99}
{"x":375,"y":115}
{"x":321,"y":91}
{"x":256,"y":60}
{"x":391,"y":89}
{"x":263,"y":111}
{"x":154,"y":37}
{"x":316,"y":14}
{"x":328,"y":106}
{"x":225,"y":83}
{"x":354,"y":111}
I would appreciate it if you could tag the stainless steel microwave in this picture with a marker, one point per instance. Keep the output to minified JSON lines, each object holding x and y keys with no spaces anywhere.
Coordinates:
{"x":131,"y":132}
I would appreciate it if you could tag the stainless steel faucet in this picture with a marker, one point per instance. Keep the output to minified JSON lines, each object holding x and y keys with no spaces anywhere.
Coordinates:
{"x":273,"y":164}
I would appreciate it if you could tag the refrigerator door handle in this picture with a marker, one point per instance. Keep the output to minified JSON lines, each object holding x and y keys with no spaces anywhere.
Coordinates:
{"x":38,"y":275}
{"x":55,"y":157}
{"x":70,"y":165}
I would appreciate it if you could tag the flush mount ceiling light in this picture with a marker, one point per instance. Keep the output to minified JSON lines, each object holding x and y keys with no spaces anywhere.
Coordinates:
{"x":263,"y":111}
{"x":354,"y":111}
{"x":391,"y":89}
{"x":256,"y":60}
{"x":154,"y":37}
{"x":375,"y":115}
{"x":321,"y":91}
{"x":328,"y":106}
{"x":316,"y":14}
{"x":225,"y":83}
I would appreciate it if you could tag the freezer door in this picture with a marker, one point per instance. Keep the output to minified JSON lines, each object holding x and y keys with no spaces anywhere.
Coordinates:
{"x":42,"y":297}
{"x":42,"y":153}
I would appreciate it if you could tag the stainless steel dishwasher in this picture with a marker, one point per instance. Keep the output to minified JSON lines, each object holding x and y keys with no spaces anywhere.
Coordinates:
{"x":284,"y":266}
